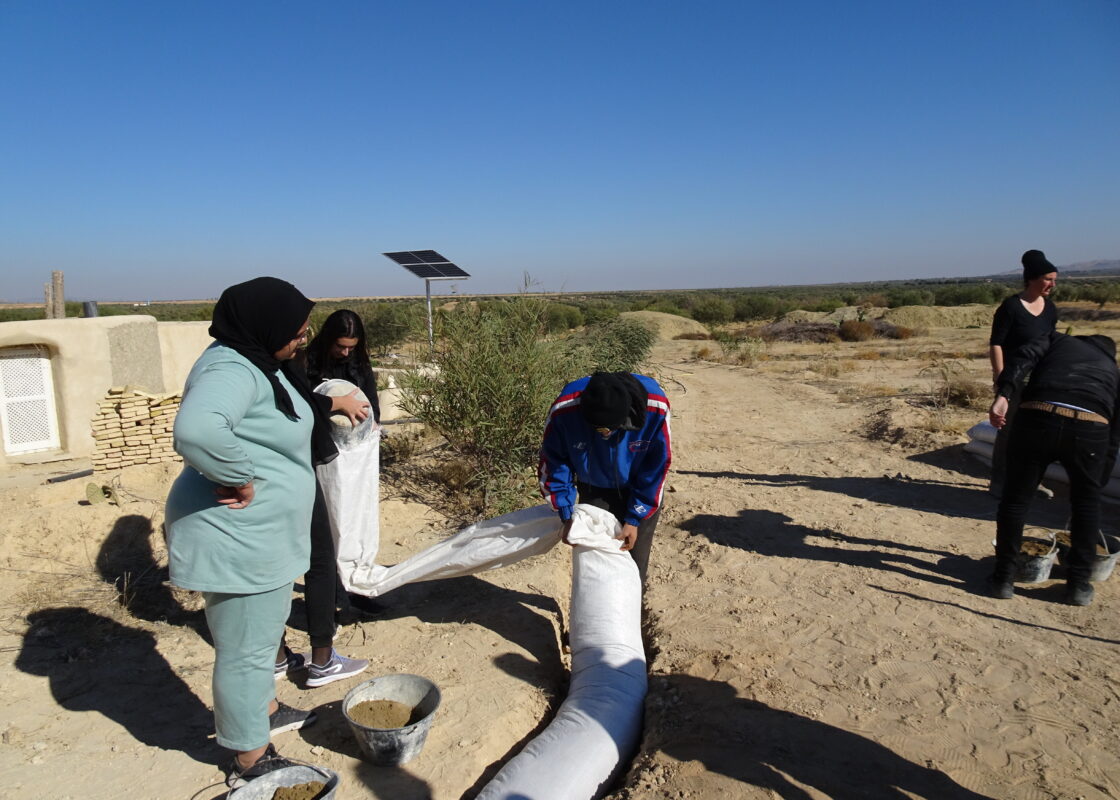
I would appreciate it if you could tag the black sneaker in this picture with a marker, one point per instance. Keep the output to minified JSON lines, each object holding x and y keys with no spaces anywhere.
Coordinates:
{"x":1001,"y":588}
{"x":269,"y":762}
{"x":1079,"y":594}
{"x":286,"y":718}
{"x":293,"y":662}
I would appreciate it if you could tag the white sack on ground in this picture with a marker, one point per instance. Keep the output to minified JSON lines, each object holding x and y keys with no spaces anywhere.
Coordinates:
{"x":983,"y":435}
{"x":597,"y":727}
{"x":982,"y":432}
{"x":351,"y":488}
{"x":479,"y":547}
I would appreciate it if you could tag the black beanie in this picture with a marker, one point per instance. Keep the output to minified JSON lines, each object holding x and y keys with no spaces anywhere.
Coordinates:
{"x":1035,"y":265}
{"x":615,"y":400}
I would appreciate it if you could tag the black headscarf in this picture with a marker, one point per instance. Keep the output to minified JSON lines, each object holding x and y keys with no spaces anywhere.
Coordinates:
{"x":259,"y":317}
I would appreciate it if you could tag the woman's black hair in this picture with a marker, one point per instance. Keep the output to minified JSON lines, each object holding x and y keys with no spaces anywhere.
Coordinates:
{"x":342,"y":324}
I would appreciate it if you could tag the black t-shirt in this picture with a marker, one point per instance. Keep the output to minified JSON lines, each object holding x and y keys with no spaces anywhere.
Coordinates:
{"x":1013,"y":326}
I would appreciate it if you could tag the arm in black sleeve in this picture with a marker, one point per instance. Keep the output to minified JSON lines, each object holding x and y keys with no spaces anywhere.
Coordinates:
{"x":323,"y":401}
{"x":1113,"y":440}
{"x":368,"y":386}
{"x":1020,"y":363}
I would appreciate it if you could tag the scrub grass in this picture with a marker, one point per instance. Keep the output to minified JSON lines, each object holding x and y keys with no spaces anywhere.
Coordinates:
{"x":493,"y":374}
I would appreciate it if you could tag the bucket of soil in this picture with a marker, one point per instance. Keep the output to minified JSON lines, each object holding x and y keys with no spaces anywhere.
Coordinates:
{"x":301,"y":782}
{"x":391,"y":716}
{"x":1037,"y":553}
{"x":1105,"y":558}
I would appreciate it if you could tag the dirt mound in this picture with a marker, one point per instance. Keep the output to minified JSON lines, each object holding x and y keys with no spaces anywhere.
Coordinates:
{"x":800,"y":315}
{"x":668,"y":326}
{"x":971,"y":316}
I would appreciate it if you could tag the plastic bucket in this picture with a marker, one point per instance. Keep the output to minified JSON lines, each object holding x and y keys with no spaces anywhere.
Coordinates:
{"x":264,"y":787}
{"x":1036,"y":568}
{"x":389,"y":747}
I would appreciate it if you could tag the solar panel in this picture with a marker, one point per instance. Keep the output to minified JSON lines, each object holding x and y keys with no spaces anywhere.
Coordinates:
{"x":404,"y":258}
{"x":427,"y":264}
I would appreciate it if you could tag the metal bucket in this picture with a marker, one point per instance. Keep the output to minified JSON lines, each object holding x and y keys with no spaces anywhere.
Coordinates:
{"x":1036,"y":568}
{"x":392,"y":746}
{"x":264,"y":787}
{"x":1103,"y":565}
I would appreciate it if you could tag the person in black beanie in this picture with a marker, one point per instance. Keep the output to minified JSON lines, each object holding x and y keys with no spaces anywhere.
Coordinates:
{"x":1070,"y":413}
{"x":607,"y":444}
{"x":1019,"y":319}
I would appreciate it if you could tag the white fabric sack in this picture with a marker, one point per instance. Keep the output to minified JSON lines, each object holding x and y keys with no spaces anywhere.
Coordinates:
{"x":351,"y":487}
{"x":479,"y":547}
{"x":598,"y":725}
{"x":982,"y":432}
{"x":982,"y":449}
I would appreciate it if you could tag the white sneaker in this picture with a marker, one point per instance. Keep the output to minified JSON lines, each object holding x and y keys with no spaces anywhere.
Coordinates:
{"x":337,"y":668}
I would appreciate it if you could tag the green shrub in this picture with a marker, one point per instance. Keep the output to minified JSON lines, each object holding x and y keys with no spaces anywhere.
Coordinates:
{"x":493,"y":379}
{"x":909,"y":297}
{"x":596,"y":311}
{"x":667,"y":306}
{"x":562,"y":317}
{"x":738,"y":348}
{"x":713,"y":311}
{"x":758,"y":306}
{"x":387,"y":324}
{"x":613,"y":346}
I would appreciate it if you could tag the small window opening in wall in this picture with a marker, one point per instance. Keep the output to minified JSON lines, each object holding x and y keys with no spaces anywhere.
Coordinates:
{"x":27,"y":411}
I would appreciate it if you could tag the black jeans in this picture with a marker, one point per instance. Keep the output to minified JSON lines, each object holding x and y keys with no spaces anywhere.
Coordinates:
{"x":320,"y":583}
{"x":1037,"y":439}
{"x":616,"y":501}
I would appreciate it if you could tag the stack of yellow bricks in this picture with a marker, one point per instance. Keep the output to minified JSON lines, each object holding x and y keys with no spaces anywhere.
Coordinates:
{"x":134,"y":427}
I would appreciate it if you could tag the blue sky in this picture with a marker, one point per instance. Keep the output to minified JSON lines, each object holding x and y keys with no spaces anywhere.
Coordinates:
{"x":164,"y":150}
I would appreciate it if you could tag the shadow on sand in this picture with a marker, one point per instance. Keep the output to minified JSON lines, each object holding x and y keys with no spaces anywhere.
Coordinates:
{"x":770,"y":533}
{"x":766,"y":747}
{"x":96,"y":664}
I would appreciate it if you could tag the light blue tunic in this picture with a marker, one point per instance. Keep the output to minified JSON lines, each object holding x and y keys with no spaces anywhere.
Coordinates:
{"x":229,"y":432}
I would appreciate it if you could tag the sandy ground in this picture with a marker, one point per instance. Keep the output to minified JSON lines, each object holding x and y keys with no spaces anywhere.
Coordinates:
{"x":813,"y":616}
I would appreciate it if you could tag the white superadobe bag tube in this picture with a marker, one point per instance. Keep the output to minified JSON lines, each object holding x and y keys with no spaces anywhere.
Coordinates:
{"x":598,"y":726}
{"x":352,"y":487}
{"x":476,"y":548}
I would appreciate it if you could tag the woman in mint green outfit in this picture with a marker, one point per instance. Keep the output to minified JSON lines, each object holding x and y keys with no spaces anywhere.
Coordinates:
{"x":238,"y":515}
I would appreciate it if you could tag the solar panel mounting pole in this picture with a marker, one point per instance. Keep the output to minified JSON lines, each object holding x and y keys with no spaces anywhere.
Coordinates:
{"x":428,"y":298}
{"x":431,"y":266}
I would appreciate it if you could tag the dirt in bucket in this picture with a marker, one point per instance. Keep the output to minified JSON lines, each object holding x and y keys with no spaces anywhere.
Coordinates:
{"x":1035,"y":549}
{"x":383,"y":714}
{"x":300,"y":791}
{"x":1064,"y":541}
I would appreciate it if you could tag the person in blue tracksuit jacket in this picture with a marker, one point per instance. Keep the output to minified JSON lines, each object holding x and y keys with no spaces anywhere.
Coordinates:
{"x":606,"y":443}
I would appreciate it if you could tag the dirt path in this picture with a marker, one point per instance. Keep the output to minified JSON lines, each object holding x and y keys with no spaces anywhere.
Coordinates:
{"x":819,"y":630}
{"x":814,"y":621}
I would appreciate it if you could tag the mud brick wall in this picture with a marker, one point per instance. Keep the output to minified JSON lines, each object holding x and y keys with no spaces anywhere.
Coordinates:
{"x":133,"y":427}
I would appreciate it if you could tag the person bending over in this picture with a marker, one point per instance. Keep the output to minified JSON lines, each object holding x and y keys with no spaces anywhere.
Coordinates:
{"x":1069,"y":413}
{"x":606,"y":443}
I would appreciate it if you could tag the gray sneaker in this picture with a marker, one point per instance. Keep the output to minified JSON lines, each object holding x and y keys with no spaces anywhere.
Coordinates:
{"x":337,"y":668}
{"x":286,"y":718}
